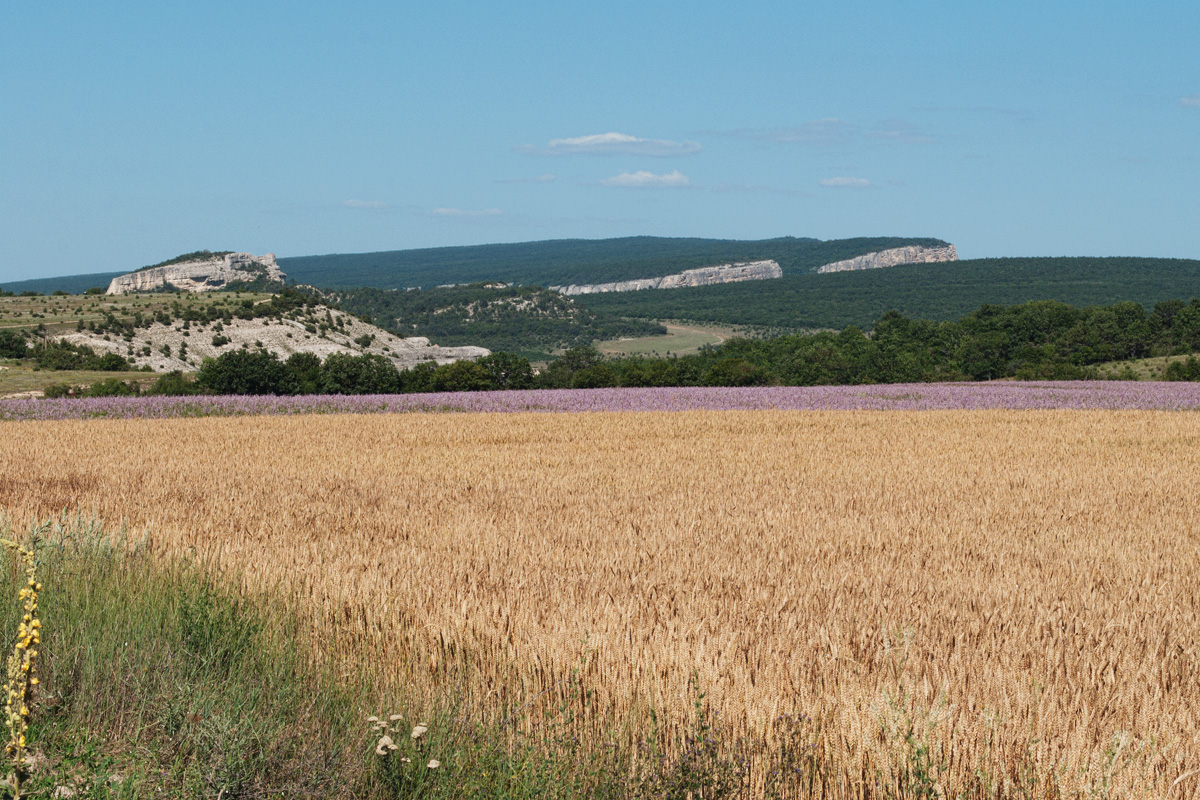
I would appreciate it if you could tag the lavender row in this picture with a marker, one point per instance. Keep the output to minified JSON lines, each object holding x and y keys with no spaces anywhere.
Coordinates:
{"x":1014,"y":395}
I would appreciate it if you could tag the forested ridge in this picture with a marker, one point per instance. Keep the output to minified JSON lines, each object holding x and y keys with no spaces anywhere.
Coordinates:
{"x":565,"y":261}
{"x":941,"y":291}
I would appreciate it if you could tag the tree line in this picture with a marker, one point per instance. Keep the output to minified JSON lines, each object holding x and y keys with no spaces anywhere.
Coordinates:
{"x":1033,"y":341}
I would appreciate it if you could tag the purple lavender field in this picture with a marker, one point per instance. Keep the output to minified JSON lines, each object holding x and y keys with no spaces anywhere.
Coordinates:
{"x":1147,"y":395}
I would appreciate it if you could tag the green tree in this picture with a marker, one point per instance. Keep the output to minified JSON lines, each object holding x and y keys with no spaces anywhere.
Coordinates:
{"x":343,"y":373}
{"x":507,"y":371}
{"x":246,"y":372}
{"x":736,"y":372}
{"x":306,"y":369}
{"x":462,"y":376}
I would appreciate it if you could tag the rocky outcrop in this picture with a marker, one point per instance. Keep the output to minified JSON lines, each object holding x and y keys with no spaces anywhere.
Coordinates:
{"x":702,"y":276}
{"x":169,"y":347}
{"x":203,"y":275}
{"x":914,"y":254}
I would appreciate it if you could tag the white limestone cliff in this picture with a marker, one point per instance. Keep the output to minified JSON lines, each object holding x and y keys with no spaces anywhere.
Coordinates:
{"x":701,"y":276}
{"x":914,"y":254}
{"x":204,"y":275}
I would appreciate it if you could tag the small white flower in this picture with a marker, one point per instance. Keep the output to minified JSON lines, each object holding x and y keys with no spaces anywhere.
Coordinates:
{"x":419,"y":730}
{"x":384,"y":746}
{"x":434,"y":763}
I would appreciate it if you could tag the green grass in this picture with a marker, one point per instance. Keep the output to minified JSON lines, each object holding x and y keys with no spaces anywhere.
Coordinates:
{"x":680,"y":339}
{"x":1142,"y":369}
{"x":62,"y":314}
{"x":17,"y":378}
{"x":159,"y":680}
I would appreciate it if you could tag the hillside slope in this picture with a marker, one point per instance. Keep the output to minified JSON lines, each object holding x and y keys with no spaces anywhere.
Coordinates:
{"x":517,"y":319}
{"x":177,"y":331}
{"x":567,"y":261}
{"x":919,"y":291}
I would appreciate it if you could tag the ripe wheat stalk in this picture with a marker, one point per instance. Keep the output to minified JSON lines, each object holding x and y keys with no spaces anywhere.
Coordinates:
{"x":1006,"y":594}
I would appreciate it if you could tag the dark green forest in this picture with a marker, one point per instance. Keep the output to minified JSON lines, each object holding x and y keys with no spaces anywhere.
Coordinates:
{"x":71,"y":284}
{"x":565,"y":261}
{"x":523,"y":320}
{"x":943,"y":291}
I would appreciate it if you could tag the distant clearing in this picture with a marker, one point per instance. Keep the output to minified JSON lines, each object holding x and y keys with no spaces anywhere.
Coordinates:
{"x":680,"y":339}
{"x":18,"y":380}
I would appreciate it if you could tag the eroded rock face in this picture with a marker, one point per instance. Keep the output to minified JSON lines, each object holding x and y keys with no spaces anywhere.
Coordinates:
{"x":914,"y":254}
{"x":200,"y":276}
{"x":701,"y":276}
{"x":169,"y":347}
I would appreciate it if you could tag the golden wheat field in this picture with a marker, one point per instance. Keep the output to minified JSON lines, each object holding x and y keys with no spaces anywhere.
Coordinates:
{"x":1017,"y":592}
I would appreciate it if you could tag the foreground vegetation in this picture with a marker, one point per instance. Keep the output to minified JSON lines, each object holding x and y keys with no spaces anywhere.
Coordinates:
{"x":580,"y":583}
{"x":159,"y":679}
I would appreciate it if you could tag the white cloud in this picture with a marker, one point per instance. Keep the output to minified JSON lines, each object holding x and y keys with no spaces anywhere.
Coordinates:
{"x":842,"y":182}
{"x":466,"y":212}
{"x":613,"y":144}
{"x":549,"y":177}
{"x":648,"y":180}
{"x":1192,"y":100}
{"x":365,"y":204}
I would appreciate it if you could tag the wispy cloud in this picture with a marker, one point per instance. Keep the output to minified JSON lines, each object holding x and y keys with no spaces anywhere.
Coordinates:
{"x":843,"y":182}
{"x":1192,"y":100}
{"x":748,"y":188}
{"x":612,"y":144}
{"x":818,"y":133}
{"x":549,"y":177}
{"x":999,"y":110}
{"x":834,"y":132}
{"x":365,"y":204}
{"x":466,"y":212}
{"x":648,"y":180}
{"x":897,"y":130}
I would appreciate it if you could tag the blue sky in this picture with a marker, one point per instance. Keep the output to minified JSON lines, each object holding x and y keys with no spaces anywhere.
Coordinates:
{"x":131,"y":132}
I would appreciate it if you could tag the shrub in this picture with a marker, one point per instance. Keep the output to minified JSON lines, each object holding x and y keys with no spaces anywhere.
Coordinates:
{"x":111,"y":387}
{"x":56,"y":390}
{"x":1184,"y":370}
{"x":173,"y":383}
{"x":12,"y":345}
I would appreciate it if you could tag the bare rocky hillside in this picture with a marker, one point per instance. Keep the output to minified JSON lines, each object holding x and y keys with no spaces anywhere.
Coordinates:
{"x":182,"y":345}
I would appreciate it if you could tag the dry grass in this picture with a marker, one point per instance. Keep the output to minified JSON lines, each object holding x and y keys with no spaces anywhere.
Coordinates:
{"x":1011,"y":596}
